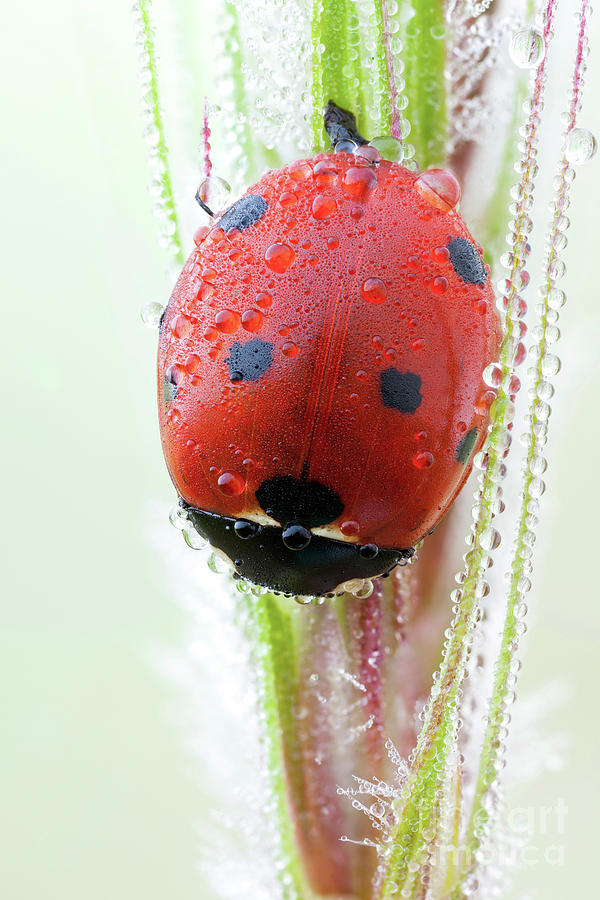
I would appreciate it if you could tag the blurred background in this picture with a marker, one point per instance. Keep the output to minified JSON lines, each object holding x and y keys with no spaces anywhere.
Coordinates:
{"x":99,"y":798}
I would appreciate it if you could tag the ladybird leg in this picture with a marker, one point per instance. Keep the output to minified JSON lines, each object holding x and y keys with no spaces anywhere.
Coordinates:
{"x":340,"y":125}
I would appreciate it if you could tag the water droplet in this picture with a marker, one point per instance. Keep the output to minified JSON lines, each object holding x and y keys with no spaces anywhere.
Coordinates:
{"x":264,"y":300}
{"x":350,"y":528}
{"x":218,"y":562}
{"x":227,"y":321}
{"x":527,"y":48}
{"x":367,"y":154}
{"x":373,"y":290}
{"x":200,"y":234}
{"x":193,"y":539}
{"x":231,"y":484}
{"x":178,"y":517}
{"x":288,"y":199}
{"x":346,"y":147}
{"x":333,"y":243}
{"x":213,"y":193}
{"x":358,"y":182}
{"x":389,"y":147}
{"x":581,"y":146}
{"x":300,"y":170}
{"x":439,"y":188}
{"x":439,"y":285}
{"x":279,"y":257}
{"x":423,"y":459}
{"x":151,"y":314}
{"x":323,"y":207}
{"x":296,"y":537}
{"x":181,"y":326}
{"x":252,"y":320}
{"x":290,"y":349}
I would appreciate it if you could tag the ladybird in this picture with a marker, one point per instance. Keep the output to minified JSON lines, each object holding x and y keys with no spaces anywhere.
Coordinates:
{"x":320,"y":368}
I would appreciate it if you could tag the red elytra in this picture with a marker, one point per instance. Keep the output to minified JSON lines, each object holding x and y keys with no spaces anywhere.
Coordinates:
{"x":337,"y":366}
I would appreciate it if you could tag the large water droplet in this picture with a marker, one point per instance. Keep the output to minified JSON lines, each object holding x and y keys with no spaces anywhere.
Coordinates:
{"x":389,"y":147}
{"x":527,"y":48}
{"x":228,"y":321}
{"x":231,"y":484}
{"x":581,"y":146}
{"x":373,"y":290}
{"x":323,"y":207}
{"x":439,"y":188}
{"x":279,"y":257}
{"x":151,"y":314}
{"x":212,"y":194}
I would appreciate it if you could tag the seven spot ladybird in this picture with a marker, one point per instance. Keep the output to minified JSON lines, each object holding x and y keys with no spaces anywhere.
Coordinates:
{"x":320,"y":367}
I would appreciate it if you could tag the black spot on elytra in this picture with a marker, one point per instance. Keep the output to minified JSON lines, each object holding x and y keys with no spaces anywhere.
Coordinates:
{"x":250,"y":360}
{"x":401,"y":390}
{"x":169,"y":385}
{"x":244,"y":213}
{"x":466,"y":261}
{"x":288,"y":499}
{"x":465,"y":448}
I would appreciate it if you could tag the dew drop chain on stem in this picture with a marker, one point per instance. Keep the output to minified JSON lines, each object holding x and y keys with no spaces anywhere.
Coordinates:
{"x":160,"y":187}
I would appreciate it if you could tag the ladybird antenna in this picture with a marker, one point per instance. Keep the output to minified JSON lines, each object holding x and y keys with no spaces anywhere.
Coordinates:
{"x":340,"y":125}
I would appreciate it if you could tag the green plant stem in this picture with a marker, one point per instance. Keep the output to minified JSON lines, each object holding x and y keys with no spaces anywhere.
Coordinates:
{"x":276,"y":662}
{"x":162,"y":153}
{"x":334,"y":75}
{"x":233,"y":52}
{"x":424,"y":59}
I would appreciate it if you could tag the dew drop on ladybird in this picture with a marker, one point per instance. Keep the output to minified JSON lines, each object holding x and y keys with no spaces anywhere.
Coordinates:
{"x":231,"y":484}
{"x":346,"y":146}
{"x":279,"y":257}
{"x":439,"y":188}
{"x":358,"y":182}
{"x":439,"y":285}
{"x":181,"y":326}
{"x":228,"y":321}
{"x":323,"y":207}
{"x":373,"y":290}
{"x":264,"y":300}
{"x":296,"y":537}
{"x":350,"y":528}
{"x":206,"y":291}
{"x":192,"y":363}
{"x":300,"y":170}
{"x":484,"y":401}
{"x":200,"y":234}
{"x":440,"y":255}
{"x":423,"y":459}
{"x":418,"y":344}
{"x":211,"y":333}
{"x":252,"y":320}
{"x":333,"y":243}
{"x":288,"y":199}
{"x":367,"y":155}
{"x":208,"y":274}
{"x":290,"y":349}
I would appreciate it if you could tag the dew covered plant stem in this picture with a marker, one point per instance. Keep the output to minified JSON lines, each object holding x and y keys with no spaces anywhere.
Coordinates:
{"x":546,"y":365}
{"x":154,"y":130}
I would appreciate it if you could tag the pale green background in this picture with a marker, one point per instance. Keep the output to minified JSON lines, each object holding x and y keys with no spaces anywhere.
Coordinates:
{"x":97,"y":801}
